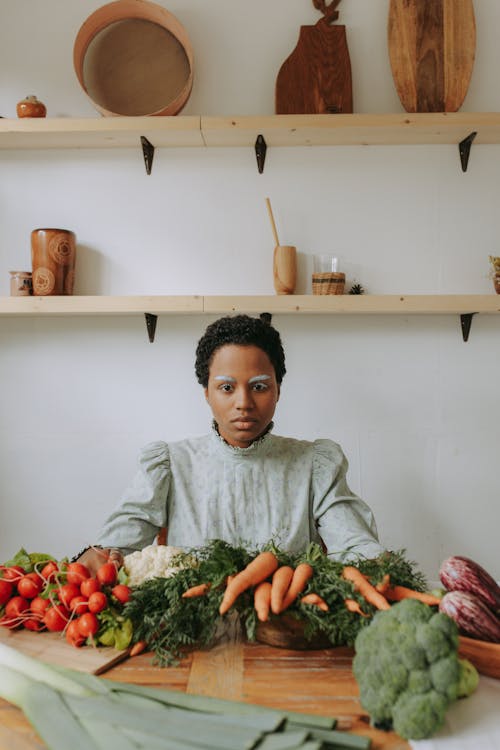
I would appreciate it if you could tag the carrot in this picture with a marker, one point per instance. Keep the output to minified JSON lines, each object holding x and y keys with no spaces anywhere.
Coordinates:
{"x":281,"y":581}
{"x":316,"y":600}
{"x":397,"y":593}
{"x":364,"y":587}
{"x":262,"y":600}
{"x":194,"y":591}
{"x":353,"y":606}
{"x":302,"y":573}
{"x":384,"y":584}
{"x":138,"y":648}
{"x":256,"y":571}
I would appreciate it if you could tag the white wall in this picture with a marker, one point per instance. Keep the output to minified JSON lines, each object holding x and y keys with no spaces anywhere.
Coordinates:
{"x":415,"y":408}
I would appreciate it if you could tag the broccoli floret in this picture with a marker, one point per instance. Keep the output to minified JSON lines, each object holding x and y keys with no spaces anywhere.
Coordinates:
{"x":445,"y":675}
{"x":407,"y":668}
{"x":419,"y":681}
{"x":446,"y":625}
{"x":434,"y":642}
{"x":418,"y":716}
{"x":410,"y":611}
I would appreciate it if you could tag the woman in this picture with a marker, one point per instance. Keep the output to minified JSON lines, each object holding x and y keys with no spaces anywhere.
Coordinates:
{"x":240,"y":483}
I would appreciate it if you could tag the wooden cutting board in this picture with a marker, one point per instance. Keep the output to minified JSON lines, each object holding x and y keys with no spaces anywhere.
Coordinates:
{"x":316,"y":77}
{"x":53,"y":649}
{"x":432,"y":46}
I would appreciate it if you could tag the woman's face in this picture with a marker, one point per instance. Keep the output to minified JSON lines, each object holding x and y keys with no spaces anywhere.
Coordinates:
{"x":242,"y":393}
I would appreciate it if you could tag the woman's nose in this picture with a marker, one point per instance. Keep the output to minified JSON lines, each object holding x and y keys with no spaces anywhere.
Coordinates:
{"x":244,"y":398}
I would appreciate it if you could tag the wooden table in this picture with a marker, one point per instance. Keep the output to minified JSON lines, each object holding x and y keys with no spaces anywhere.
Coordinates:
{"x":319,"y":682}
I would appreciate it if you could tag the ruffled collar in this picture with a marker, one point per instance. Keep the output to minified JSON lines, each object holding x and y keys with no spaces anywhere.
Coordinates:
{"x":235,"y":450}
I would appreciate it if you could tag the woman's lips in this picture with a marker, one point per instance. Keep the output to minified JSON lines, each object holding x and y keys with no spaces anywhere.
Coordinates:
{"x":244,"y":423}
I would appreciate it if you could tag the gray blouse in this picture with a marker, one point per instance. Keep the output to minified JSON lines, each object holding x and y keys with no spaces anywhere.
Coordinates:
{"x":292,"y":491}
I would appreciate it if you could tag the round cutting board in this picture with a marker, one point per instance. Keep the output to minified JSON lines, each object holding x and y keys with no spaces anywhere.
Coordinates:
{"x":432,"y":45}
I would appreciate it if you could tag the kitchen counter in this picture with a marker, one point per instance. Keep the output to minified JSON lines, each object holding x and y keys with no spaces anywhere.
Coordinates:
{"x":319,"y":682}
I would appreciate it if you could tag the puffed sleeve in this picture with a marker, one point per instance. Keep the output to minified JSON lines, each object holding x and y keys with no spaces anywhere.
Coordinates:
{"x":141,"y":512}
{"x":344,"y":521}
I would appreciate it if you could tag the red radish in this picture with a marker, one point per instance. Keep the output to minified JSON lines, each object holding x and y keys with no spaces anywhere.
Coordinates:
{"x":33,"y":624}
{"x":67,"y":592}
{"x":16,"y":606}
{"x":13,"y":573}
{"x":73,"y":635}
{"x":49,"y":571}
{"x":76,"y":573}
{"x":29,"y":586}
{"x":79,"y":605}
{"x":56,"y":617}
{"x":89,"y":585}
{"x":88,"y":624}
{"x":39,"y":606}
{"x":121,"y":592}
{"x":106,"y":574}
{"x":98,"y":601}
{"x":6,"y":591}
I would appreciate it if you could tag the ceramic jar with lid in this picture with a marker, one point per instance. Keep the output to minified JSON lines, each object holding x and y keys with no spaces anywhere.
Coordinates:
{"x":20,"y":284}
{"x":31,"y":107}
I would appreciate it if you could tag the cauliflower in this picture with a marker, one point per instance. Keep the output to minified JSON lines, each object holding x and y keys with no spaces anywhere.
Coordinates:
{"x":154,"y":561}
{"x":408,"y":670}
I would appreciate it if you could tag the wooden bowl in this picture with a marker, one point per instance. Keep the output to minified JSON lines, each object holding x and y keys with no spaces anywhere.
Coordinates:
{"x":133,"y":57}
{"x":288,"y":632}
{"x":484,"y":655}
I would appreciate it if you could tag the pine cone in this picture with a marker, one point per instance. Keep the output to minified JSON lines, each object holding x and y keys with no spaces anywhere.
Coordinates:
{"x":356,"y":289}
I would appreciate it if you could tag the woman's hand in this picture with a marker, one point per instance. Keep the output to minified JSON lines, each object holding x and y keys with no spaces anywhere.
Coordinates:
{"x":94,"y":557}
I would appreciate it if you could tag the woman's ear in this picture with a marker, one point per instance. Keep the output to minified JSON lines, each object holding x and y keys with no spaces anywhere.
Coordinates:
{"x":205,"y":391}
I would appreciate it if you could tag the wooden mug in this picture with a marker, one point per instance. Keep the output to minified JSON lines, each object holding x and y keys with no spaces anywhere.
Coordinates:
{"x":285,"y":269}
{"x":53,"y":254}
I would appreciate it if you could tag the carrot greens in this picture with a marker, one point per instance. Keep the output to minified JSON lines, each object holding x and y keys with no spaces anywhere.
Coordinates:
{"x":169,"y":622}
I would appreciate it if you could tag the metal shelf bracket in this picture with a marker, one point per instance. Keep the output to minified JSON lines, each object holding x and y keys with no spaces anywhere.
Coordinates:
{"x":260,"y":152}
{"x":148,"y":151}
{"x":151,"y":325}
{"x":465,"y":322}
{"x":464,"y":150}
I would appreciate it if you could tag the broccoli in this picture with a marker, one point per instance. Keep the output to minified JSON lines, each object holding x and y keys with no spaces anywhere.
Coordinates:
{"x":408,"y":670}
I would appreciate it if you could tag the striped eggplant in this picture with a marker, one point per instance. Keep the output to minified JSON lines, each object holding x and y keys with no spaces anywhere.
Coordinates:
{"x":472,"y":616}
{"x":462,"y":574}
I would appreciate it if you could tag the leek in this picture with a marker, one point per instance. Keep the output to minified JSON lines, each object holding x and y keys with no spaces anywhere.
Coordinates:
{"x":46,"y":710}
{"x":75,"y":711}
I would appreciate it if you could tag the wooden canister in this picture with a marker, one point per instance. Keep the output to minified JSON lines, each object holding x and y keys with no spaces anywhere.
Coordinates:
{"x":53,"y":253}
{"x":285,"y":269}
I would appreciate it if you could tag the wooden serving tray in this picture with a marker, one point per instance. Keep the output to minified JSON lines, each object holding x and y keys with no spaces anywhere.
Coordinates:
{"x":484,"y":655}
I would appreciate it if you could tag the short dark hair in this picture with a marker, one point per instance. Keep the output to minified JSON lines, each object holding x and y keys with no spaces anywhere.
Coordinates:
{"x":241,"y":330}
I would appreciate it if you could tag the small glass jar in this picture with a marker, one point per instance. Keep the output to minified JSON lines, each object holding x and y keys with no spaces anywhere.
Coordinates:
{"x":21,"y":284}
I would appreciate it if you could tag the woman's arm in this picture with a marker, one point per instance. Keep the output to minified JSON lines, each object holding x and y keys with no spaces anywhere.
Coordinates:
{"x":135,"y":522}
{"x":345,"y":522}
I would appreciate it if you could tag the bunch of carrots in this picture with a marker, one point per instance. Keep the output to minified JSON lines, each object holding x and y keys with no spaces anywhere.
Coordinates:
{"x":276,"y":587}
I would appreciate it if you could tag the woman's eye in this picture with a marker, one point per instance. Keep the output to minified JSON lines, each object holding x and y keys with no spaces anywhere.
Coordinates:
{"x":259,"y":387}
{"x":226,"y":387}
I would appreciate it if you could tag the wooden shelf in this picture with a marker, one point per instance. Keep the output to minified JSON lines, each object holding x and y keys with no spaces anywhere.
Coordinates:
{"x":277,"y":130}
{"x":369,"y":304}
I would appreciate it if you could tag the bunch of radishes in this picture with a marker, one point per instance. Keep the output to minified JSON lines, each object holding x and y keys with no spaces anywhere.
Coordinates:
{"x":60,"y":597}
